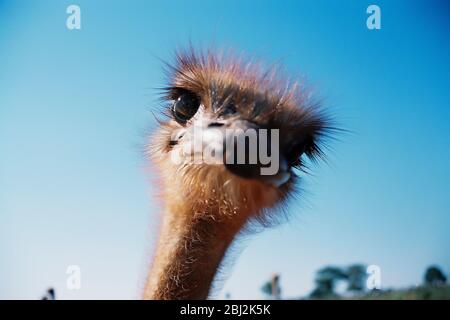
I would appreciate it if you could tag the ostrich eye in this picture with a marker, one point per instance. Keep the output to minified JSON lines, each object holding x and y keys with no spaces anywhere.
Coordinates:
{"x":185,"y":107}
{"x":294,"y":154}
{"x":297,"y":150}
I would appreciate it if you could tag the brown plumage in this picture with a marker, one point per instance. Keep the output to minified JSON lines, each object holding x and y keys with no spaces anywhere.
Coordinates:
{"x":206,"y":205}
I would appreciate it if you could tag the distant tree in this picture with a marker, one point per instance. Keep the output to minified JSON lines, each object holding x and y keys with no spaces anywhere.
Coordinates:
{"x":267,"y":288}
{"x":272,"y":288}
{"x":324,"y":288}
{"x":356,"y":278}
{"x":434,"y":276}
{"x":49,"y":295}
{"x":325,"y":281}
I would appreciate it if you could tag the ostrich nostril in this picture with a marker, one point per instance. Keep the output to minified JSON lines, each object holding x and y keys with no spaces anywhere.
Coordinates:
{"x":215,"y":124}
{"x":175,"y":138}
{"x":179,"y":135}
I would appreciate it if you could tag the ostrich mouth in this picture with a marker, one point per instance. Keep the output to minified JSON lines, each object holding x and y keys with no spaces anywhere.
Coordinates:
{"x":252,"y":153}
{"x":255,"y":162}
{"x":253,"y":171}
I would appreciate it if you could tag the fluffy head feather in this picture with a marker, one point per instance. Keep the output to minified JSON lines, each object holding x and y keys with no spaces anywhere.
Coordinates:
{"x":230,"y":90}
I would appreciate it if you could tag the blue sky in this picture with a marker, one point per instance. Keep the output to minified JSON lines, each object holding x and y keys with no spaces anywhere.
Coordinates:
{"x":75,"y":107}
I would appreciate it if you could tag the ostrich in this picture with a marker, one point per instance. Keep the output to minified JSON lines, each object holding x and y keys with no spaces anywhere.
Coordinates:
{"x":207,"y":204}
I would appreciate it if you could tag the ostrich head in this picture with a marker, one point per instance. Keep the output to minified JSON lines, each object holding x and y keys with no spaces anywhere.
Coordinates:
{"x":225,"y":116}
{"x":226,"y":153}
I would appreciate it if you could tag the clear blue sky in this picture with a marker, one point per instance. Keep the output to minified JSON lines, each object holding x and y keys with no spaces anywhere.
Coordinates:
{"x":75,"y":106}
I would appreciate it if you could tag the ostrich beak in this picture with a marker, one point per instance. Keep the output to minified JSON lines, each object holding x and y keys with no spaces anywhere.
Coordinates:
{"x":245,"y":149}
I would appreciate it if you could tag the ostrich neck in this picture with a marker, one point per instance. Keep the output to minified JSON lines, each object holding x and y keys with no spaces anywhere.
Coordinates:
{"x":190,"y":249}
